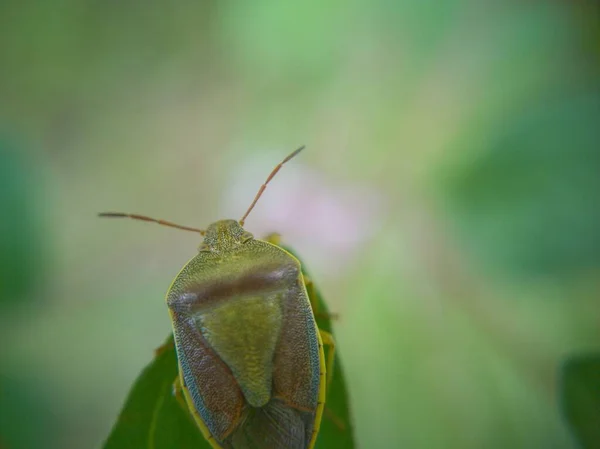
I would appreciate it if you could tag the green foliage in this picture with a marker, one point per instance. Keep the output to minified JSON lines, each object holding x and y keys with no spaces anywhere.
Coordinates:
{"x":581,"y":398}
{"x":23,"y":407}
{"x":20,"y":242}
{"x":152,"y":417}
{"x":528,"y":204}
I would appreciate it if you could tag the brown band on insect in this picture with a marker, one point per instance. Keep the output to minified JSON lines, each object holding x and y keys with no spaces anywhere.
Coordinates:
{"x":264,"y":186}
{"x":152,"y":220}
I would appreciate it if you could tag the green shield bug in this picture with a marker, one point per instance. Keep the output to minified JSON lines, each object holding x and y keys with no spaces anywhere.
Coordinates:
{"x":252,"y":369}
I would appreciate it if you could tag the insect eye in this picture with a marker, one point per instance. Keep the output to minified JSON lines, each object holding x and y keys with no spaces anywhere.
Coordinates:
{"x":203,"y":247}
{"x":246,"y":236}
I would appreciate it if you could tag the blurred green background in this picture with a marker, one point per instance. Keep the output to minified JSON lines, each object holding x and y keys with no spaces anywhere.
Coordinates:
{"x":447,"y":203}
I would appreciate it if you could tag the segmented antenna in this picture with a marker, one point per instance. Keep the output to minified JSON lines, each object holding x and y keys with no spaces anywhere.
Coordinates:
{"x":264,"y":186}
{"x":152,"y":220}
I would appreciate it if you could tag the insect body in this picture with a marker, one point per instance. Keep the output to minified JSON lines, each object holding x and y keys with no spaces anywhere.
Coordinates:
{"x":251,"y":361}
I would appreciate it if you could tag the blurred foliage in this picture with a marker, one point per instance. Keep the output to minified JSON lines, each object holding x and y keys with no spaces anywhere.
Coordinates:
{"x":152,"y":417}
{"x":580,"y":391}
{"x":529,"y":202}
{"x":21,"y":246}
{"x":24,"y":407}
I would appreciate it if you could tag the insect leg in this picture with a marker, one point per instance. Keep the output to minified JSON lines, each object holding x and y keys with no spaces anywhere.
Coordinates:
{"x":314,"y":301}
{"x":328,"y":341}
{"x":335,"y":419}
{"x":170,"y":344}
{"x":178,"y":393}
{"x":274,"y":238}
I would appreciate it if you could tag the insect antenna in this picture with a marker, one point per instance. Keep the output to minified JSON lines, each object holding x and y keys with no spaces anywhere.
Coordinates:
{"x":152,"y":220}
{"x":264,"y":186}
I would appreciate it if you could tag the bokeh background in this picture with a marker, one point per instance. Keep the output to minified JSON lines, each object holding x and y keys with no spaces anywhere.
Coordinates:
{"x":446,"y":205}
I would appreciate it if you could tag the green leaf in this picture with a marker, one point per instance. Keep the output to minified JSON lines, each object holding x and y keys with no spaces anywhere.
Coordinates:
{"x":580,"y":394}
{"x":152,"y":418}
